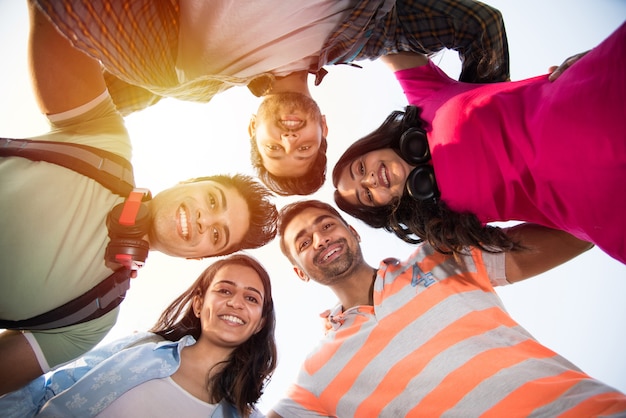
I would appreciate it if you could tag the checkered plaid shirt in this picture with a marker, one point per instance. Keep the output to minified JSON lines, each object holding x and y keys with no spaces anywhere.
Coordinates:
{"x":137,"y":43}
{"x":473,"y":29}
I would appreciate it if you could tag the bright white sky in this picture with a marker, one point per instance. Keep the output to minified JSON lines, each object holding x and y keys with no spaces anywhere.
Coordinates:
{"x":578,"y":309}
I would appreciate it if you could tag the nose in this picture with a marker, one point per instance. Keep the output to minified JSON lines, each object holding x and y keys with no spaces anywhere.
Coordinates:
{"x":203,"y":220}
{"x":320,"y":240}
{"x":369,"y":180}
{"x":289,"y":140}
{"x":235,"y":301}
{"x":290,"y":136}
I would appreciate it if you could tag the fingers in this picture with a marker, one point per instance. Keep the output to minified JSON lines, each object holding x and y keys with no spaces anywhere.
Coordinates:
{"x":555,"y":72}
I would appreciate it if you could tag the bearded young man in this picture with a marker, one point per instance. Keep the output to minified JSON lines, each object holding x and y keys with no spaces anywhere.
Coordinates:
{"x":195,"y":49}
{"x":429,"y":336}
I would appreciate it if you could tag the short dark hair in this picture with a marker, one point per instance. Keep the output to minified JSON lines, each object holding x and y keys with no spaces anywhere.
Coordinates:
{"x":290,"y":211}
{"x":287,"y":186}
{"x":263,"y":213}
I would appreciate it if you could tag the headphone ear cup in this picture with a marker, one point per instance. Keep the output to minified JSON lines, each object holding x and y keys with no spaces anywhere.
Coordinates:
{"x":413,"y":146}
{"x":139,"y":229}
{"x":126,"y":245}
{"x":421,"y":184}
{"x":127,"y":251}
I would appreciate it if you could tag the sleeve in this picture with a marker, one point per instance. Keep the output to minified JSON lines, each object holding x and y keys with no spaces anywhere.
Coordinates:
{"x":97,"y":124}
{"x":473,"y":29}
{"x":301,"y":403}
{"x":61,"y":345}
{"x":129,"y":98}
{"x":420,"y":83}
{"x":134,"y":40}
{"x":494,"y":264}
{"x":27,"y":402}
{"x":489,"y":267}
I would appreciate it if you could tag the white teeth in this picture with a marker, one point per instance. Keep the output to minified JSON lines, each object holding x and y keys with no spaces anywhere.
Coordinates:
{"x":330,"y":253}
{"x":183,"y":223}
{"x":232,"y":318}
{"x":290,"y":123}
{"x":384,"y":175}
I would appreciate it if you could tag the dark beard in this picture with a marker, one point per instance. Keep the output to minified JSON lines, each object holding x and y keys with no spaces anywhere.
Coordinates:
{"x":272,"y":104}
{"x":340,"y":267}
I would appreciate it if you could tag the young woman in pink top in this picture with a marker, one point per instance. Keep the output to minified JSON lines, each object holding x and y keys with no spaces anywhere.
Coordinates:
{"x":548,"y":152}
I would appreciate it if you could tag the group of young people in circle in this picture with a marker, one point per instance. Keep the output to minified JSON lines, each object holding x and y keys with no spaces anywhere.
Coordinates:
{"x":461,"y":155}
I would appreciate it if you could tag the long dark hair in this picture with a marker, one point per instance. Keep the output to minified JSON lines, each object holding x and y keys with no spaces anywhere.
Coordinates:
{"x":415,"y":221}
{"x":248,"y":369}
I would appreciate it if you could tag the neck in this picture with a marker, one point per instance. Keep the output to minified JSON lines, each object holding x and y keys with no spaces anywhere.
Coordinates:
{"x":358,"y":289}
{"x":197,"y":361}
{"x":204,"y":355}
{"x":296,"y":82}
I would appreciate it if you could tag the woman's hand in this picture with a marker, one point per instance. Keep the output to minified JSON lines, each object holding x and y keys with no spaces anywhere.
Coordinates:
{"x":556,"y":71}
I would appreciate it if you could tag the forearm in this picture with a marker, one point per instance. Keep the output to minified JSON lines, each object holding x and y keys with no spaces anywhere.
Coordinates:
{"x":486,"y":56}
{"x":404,"y":60}
{"x":476,"y":31}
{"x":63,"y":77}
{"x":543,"y":249}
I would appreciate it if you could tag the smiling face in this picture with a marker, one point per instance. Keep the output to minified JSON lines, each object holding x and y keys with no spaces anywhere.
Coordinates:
{"x":288,"y":129}
{"x":374,"y":179}
{"x":325,"y":249}
{"x":200,"y":219}
{"x":231,"y":310}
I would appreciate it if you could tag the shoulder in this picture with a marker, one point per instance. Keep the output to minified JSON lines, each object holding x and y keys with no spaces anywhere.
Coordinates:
{"x":420,"y":83}
{"x":97,"y":124}
{"x":486,"y":268}
{"x":428,"y":72}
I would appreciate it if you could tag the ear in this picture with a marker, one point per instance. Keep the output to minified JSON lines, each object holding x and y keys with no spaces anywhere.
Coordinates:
{"x":252,"y":126}
{"x":196,"y":304}
{"x":301,"y":274}
{"x":356,"y":234}
{"x":324,"y":127}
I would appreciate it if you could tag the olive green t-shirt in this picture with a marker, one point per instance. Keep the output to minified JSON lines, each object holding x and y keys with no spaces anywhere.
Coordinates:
{"x":53,"y":231}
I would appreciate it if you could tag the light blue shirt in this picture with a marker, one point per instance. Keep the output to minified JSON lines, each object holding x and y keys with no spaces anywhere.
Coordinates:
{"x":99,"y":377}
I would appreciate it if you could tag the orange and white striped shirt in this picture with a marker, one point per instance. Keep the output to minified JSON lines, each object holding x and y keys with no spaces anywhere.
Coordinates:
{"x":438,"y":342}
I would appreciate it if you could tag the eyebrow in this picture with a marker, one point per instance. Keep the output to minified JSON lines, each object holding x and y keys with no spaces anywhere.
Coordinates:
{"x":277,"y":157}
{"x":316,"y":222}
{"x":224,"y":207}
{"x":223,"y":196}
{"x":358,"y":198}
{"x":250,"y":288}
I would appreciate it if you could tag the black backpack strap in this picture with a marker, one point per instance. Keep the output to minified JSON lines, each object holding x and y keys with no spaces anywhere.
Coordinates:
{"x":111,"y":170}
{"x":99,"y":300}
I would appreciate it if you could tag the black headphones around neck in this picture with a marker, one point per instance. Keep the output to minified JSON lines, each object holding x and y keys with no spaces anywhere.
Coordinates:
{"x":420,"y":183}
{"x":127,"y":224}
